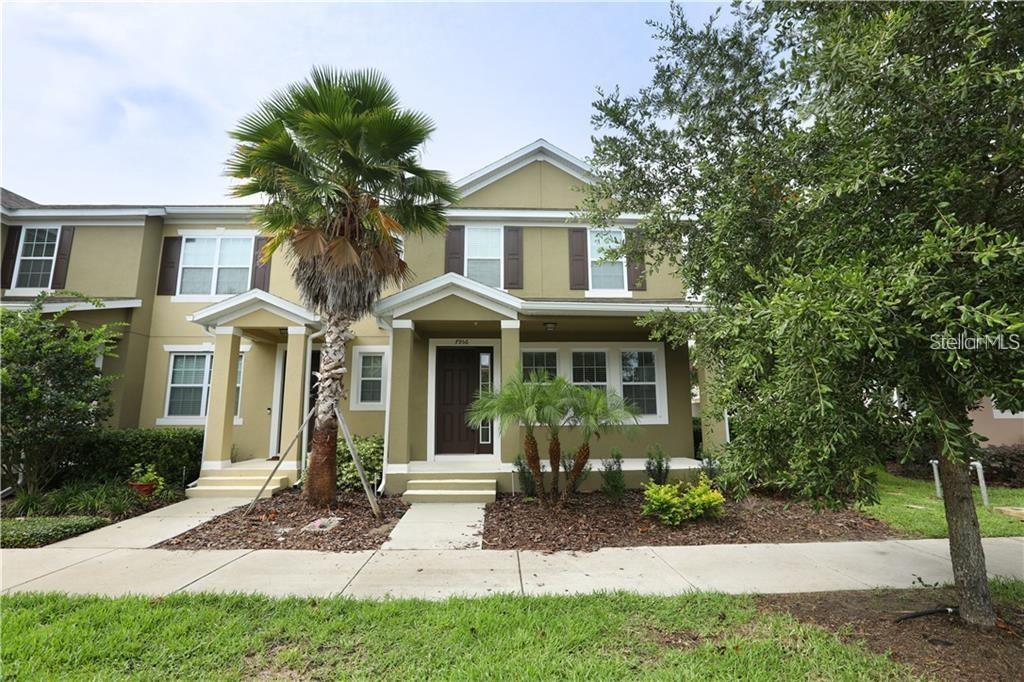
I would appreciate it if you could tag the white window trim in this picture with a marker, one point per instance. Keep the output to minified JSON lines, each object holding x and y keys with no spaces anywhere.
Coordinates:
{"x":591,"y":292}
{"x":546,"y":349}
{"x":197,"y":420}
{"x":355,"y":401}
{"x":218,"y":234}
{"x":1005,"y":414}
{"x":608,"y":385}
{"x":501,"y":251}
{"x":659,"y":381}
{"x":613,"y":351}
{"x":34,"y":291}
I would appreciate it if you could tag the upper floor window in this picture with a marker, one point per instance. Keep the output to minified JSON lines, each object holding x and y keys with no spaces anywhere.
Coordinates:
{"x":606,"y":275}
{"x":483,"y":255}
{"x":215,"y":265}
{"x":36,"y":257}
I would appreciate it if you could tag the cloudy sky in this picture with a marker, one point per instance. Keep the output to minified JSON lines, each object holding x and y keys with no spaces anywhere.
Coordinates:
{"x":129,"y":103}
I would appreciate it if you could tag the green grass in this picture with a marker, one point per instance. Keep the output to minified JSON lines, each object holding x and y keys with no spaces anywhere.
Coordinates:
{"x":36,"y":531}
{"x":617,"y":636}
{"x":911,"y":506}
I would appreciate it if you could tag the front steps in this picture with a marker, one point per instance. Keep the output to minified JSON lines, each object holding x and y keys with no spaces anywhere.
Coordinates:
{"x":243,"y":479}
{"x":478,"y":490}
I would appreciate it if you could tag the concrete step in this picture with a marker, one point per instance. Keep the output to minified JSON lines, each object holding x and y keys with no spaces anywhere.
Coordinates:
{"x":442,"y":495}
{"x":279,"y":479}
{"x":232,"y":491}
{"x":477,"y":484}
{"x":247,"y":471}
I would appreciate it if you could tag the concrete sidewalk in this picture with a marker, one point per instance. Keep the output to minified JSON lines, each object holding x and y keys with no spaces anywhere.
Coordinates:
{"x":441,"y":573}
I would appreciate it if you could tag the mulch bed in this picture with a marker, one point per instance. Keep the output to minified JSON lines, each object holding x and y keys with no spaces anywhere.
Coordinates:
{"x":277,"y":523}
{"x":943,"y":647}
{"x":591,"y":521}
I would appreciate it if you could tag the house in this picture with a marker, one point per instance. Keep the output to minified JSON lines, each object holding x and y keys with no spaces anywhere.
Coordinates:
{"x":215,"y":339}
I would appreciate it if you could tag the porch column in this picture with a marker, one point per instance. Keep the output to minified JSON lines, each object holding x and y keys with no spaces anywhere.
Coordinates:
{"x":293,"y":404}
{"x":220,"y":414}
{"x":511,"y":443}
{"x":712,"y":424}
{"x":398,"y":392}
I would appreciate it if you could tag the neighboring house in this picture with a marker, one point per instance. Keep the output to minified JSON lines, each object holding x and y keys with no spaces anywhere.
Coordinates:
{"x":214,"y":339}
{"x":1000,"y":427}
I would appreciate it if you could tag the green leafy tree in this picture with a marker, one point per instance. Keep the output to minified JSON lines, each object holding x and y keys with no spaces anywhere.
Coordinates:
{"x":843,"y":184}
{"x":336,"y":162}
{"x":51,"y":392}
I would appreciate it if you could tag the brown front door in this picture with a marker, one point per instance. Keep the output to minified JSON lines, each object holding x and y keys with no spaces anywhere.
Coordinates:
{"x":458,"y":380}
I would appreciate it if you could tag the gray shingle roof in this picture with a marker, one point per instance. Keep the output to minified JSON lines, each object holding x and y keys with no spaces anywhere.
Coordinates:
{"x":11,"y":200}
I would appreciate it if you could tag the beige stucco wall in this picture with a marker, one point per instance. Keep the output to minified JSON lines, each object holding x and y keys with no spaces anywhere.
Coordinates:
{"x":536,"y":185}
{"x":998,"y":430}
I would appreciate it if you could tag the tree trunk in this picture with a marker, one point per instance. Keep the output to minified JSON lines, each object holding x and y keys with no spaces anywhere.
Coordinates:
{"x":582,"y":457}
{"x":533,"y":462}
{"x":321,"y":487}
{"x":555,"y":459}
{"x":965,"y":548}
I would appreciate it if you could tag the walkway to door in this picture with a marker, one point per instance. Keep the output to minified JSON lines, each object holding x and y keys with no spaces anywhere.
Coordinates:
{"x":435,"y":525}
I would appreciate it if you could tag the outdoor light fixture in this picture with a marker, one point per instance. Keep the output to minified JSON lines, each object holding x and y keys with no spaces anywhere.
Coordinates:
{"x":549,"y":327}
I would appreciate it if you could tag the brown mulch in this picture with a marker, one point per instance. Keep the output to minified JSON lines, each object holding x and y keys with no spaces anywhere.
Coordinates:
{"x":276,"y":523}
{"x":591,"y":521}
{"x":943,"y":646}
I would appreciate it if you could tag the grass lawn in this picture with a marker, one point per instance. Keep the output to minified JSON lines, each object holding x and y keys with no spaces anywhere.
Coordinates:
{"x":911,"y":506}
{"x":36,"y":531}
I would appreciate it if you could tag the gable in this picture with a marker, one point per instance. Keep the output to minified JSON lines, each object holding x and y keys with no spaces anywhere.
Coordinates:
{"x":453,"y":308}
{"x":538,"y":184}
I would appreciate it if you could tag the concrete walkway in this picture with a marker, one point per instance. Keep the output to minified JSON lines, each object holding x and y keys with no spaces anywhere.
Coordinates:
{"x":437,"y":525}
{"x":440,"y":573}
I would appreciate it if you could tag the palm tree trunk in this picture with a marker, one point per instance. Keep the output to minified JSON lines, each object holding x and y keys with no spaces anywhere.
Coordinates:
{"x":555,"y":459}
{"x":321,"y":486}
{"x":582,"y":457}
{"x":533,"y":462}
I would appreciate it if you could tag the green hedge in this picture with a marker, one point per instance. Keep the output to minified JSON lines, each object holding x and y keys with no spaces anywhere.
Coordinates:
{"x":109,"y":455}
{"x":371,"y":453}
{"x":43,"y":530}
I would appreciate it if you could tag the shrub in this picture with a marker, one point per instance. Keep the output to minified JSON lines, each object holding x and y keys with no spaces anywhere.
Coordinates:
{"x":567,"y":467}
{"x":527,"y":485}
{"x":39,"y":531}
{"x":113,"y":501}
{"x":657,"y":464}
{"x":613,"y":483}
{"x":672,"y":503}
{"x":1003,"y":464}
{"x":111,"y":454}
{"x":371,"y":454}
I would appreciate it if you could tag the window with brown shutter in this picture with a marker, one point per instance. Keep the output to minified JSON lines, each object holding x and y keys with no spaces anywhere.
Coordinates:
{"x":260,"y":270}
{"x":578,"y":265}
{"x":513,"y":258}
{"x":454,"y":249}
{"x":170,"y":258}
{"x":60,"y":265}
{"x":10,"y":255}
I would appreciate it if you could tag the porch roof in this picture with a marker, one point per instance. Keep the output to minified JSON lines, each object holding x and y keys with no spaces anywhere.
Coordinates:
{"x":223,"y":313}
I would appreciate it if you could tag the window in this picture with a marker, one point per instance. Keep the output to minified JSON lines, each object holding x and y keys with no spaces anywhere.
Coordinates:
{"x":215,"y":265}
{"x":606,"y":275}
{"x":36,"y":257}
{"x":590,"y":368}
{"x":541,"y":362}
{"x":483,"y":255}
{"x":639,"y":383}
{"x":188,"y":392}
{"x":485,"y":385}
{"x":369,"y":387}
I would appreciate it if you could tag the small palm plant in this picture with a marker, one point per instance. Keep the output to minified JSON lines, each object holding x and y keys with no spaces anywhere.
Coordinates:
{"x":594,"y":412}
{"x":335,"y":160}
{"x":518,"y":403}
{"x":554,"y":412}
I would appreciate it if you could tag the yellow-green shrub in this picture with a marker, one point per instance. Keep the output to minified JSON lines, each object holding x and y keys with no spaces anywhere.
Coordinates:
{"x":672,"y":503}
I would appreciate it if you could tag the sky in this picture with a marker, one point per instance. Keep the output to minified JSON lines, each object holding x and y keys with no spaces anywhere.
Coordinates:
{"x":131,"y":103}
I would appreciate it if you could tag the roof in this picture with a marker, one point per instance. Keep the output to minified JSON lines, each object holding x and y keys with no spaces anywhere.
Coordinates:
{"x":538,"y":150}
{"x":9,"y":199}
{"x":223,"y":312}
{"x":71,"y":303}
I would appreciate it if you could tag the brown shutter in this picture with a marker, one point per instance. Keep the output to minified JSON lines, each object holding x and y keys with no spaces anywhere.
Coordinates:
{"x":60,"y":264}
{"x":454,"y":248}
{"x":10,"y":255}
{"x":167,"y":278}
{"x":513,"y":258}
{"x":260,"y":270}
{"x":578,"y":266}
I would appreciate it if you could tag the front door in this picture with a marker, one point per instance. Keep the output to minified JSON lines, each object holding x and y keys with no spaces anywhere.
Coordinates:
{"x":461,"y":373}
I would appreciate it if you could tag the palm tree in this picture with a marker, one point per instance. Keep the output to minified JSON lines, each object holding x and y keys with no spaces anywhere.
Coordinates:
{"x":594,"y":412}
{"x":518,"y":403}
{"x":554,"y":412}
{"x":336,"y":160}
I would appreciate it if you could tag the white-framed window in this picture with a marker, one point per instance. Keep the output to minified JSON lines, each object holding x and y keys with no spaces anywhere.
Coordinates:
{"x":188,"y":388}
{"x":216,"y":265}
{"x":484,"y":433}
{"x":639,"y":380}
{"x":37,"y":255}
{"x":544,"y":362}
{"x":484,"y":247}
{"x":590,"y":368}
{"x":606,"y":276}
{"x":369,"y":378}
